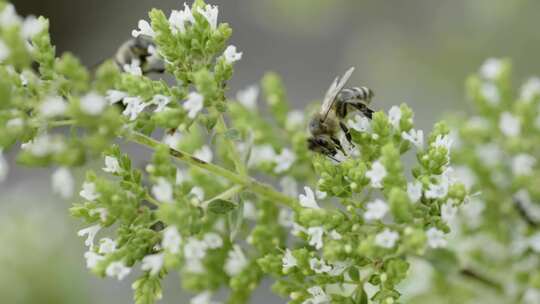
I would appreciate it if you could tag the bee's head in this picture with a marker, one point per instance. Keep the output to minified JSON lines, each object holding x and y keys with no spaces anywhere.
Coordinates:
{"x":316,"y":124}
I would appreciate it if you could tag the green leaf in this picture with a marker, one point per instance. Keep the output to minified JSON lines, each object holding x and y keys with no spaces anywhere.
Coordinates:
{"x":232,"y":134}
{"x":221,"y":206}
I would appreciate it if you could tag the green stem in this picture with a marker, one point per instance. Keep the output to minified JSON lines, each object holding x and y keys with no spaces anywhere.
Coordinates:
{"x":249,"y":183}
{"x":232,"y":152}
{"x":224,"y":195}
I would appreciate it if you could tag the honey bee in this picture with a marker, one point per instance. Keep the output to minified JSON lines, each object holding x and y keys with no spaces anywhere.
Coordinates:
{"x":140,"y":50}
{"x":325,"y":124}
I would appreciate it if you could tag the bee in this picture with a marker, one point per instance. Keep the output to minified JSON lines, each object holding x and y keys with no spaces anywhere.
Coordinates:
{"x":326,"y":123}
{"x":140,"y":50}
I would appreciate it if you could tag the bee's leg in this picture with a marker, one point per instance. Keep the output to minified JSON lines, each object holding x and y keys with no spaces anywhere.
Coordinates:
{"x":360,"y":106}
{"x":347,"y":132}
{"x":338,"y":145}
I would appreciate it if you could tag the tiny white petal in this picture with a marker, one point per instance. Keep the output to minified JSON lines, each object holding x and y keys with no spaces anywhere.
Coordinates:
{"x":53,"y":106}
{"x":288,"y":260}
{"x":248,"y":97}
{"x":415,"y":137}
{"x":509,"y":125}
{"x":90,"y":233}
{"x":448,"y":211}
{"x":93,"y":104}
{"x":106,"y":245}
{"x":203,"y":298}
{"x":194,"y":104}
{"x":204,"y":154}
{"x":261,"y":154}
{"x":117,"y":270}
{"x":9,"y":17}
{"x":163,"y":191}
{"x":289,"y":186}
{"x":134,"y":106}
{"x":435,"y":238}
{"x":308,"y":200}
{"x":286,"y":218}
{"x":284,"y":161}
{"x":171,"y":240}
{"x":195,"y":249}
{"x":315,"y":237}
{"x":173,"y":140}
{"x":523,"y":164}
{"x":376,"y":210}
{"x":231,"y":55}
{"x":236,"y":261}
{"x":213,"y":240}
{"x":133,"y":68}
{"x":491,"y":69}
{"x":394,"y":115}
{"x":144,"y":29}
{"x":376,"y":174}
{"x":153,"y":263}
{"x":111,"y":165}
{"x":319,"y":265}
{"x":63,"y":183}
{"x":490,"y":92}
{"x":295,"y":119}
{"x":360,"y":123}
{"x":31,"y":26}
{"x":386,"y":239}
{"x":114,"y":96}
{"x":89,"y":191}
{"x":161,"y":102}
{"x":92,"y":259}
{"x":210,"y":13}
{"x":414,"y":190}
{"x":198,"y":192}
{"x":531,"y":89}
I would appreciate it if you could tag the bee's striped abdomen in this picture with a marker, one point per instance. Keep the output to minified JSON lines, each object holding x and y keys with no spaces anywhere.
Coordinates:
{"x":360,"y":93}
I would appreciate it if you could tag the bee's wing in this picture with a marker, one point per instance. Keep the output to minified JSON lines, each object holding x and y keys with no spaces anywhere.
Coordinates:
{"x":333,"y":91}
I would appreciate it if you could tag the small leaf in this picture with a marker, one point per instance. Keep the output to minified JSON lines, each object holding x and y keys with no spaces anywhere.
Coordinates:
{"x":221,"y":206}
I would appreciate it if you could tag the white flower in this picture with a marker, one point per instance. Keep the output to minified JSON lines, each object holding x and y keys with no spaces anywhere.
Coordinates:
{"x":210,"y":13}
{"x":334,"y":235}
{"x":286,"y":217}
{"x":491,"y":69}
{"x":415,"y":137}
{"x":435,"y":238}
{"x":198,"y":193}
{"x":414,"y":190}
{"x":248,"y":97}
{"x":509,"y":124}
{"x":4,"y":167}
{"x":308,"y":200}
{"x":180,"y":178}
{"x":171,"y":240}
{"x":360,"y":123}
{"x":315,"y":237}
{"x":472,"y":211}
{"x":284,"y":161}
{"x":438,"y":190}
{"x":236,"y":261}
{"x":339,"y":267}
{"x":92,"y":259}
{"x":9,"y":17}
{"x":204,"y":154}
{"x":153,"y":263}
{"x":194,"y":104}
{"x":178,"y":19}
{"x":194,"y":266}
{"x":531,"y":89}
{"x":465,"y":175}
{"x":134,"y":106}
{"x":173,"y":140}
{"x":163,"y":191}
{"x":106,"y":245}
{"x":523,"y":164}
{"x":319,"y":266}
{"x":93,"y":104}
{"x":394,"y":115}
{"x":294,"y":120}
{"x":90,"y":233}
{"x":213,"y":240}
{"x":261,"y":154}
{"x":448,"y":211}
{"x":161,"y":101}
{"x":15,"y":123}
{"x":376,"y":210}
{"x":89,"y":191}
{"x":31,"y":27}
{"x":4,"y":51}
{"x":531,"y":296}
{"x":288,"y":260}
{"x":490,"y":92}
{"x":133,"y":68}
{"x":117,"y":270}
{"x":443,"y":141}
{"x":318,"y":296}
{"x":62,"y":182}
{"x":387,"y":238}
{"x":114,"y":96}
{"x":376,"y":174}
{"x":111,"y":165}
{"x":53,"y":106}
{"x":44,"y":145}
{"x":195,"y":249}
{"x":534,"y":242}
{"x":489,"y":154}
{"x":231,"y":55}
{"x":203,"y":298}
{"x":144,"y":29}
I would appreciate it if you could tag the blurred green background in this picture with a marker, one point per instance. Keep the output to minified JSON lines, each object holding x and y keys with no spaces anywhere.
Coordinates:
{"x":417,"y":52}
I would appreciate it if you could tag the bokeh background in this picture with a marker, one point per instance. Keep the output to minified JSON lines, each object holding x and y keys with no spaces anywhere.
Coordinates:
{"x":417,"y":52}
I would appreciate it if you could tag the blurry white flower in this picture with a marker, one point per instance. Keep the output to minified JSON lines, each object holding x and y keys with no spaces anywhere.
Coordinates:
{"x":106,"y":245}
{"x":289,"y":186}
{"x":465,"y":175}
{"x":163,"y":191}
{"x":250,"y":211}
{"x":435,"y":238}
{"x":195,"y":249}
{"x":522,"y":164}
{"x":92,"y":259}
{"x":376,"y":210}
{"x":248,"y":97}
{"x":286,"y":217}
{"x":531,"y":296}
{"x":62,"y":182}
{"x":387,"y":238}
{"x":490,"y":92}
{"x":376,"y":174}
{"x":509,"y":124}
{"x":360,"y":123}
{"x":394,"y":115}
{"x":448,"y":211}
{"x":133,"y":68}
{"x":15,"y":123}
{"x":153,"y":263}
{"x":213,"y":240}
{"x":416,"y":137}
{"x":93,"y":104}
{"x":489,"y":154}
{"x":117,"y":270}
{"x":318,"y":296}
{"x":295,"y":119}
{"x":171,"y":240}
{"x":438,"y":190}
{"x":9,"y":17}
{"x":261,"y":154}
{"x":4,"y":51}
{"x":308,"y":200}
{"x":53,"y":106}
{"x":443,"y":141}
{"x":134,"y":106}
{"x":180,"y":177}
{"x":144,"y":29}
{"x":210,"y":13}
{"x":89,"y":191}
{"x":161,"y":102}
{"x":111,"y":165}
{"x":204,"y":154}
{"x":315,"y":237}
{"x":172,"y":140}
{"x":194,"y":104}
{"x":203,"y":298}
{"x":472,"y":211}
{"x":114,"y":96}
{"x":288,"y":260}
{"x":90,"y":233}
{"x":414,"y":190}
{"x":31,"y":26}
{"x":44,"y":145}
{"x":319,"y":265}
{"x":194,"y":266}
{"x":236,"y":261}
{"x":198,"y":192}
{"x":4,"y":167}
{"x":531,"y":89}
{"x":178,"y":19}
{"x":284,"y":161}
{"x":103,"y":213}
{"x":231,"y":55}
{"x":334,"y":235}
{"x":339,"y":266}
{"x":491,"y":69}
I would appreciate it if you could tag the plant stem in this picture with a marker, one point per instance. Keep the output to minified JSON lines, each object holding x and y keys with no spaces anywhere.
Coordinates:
{"x":249,"y":183}
{"x":469,"y":273}
{"x":232,"y":152}
{"x":224,"y":195}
